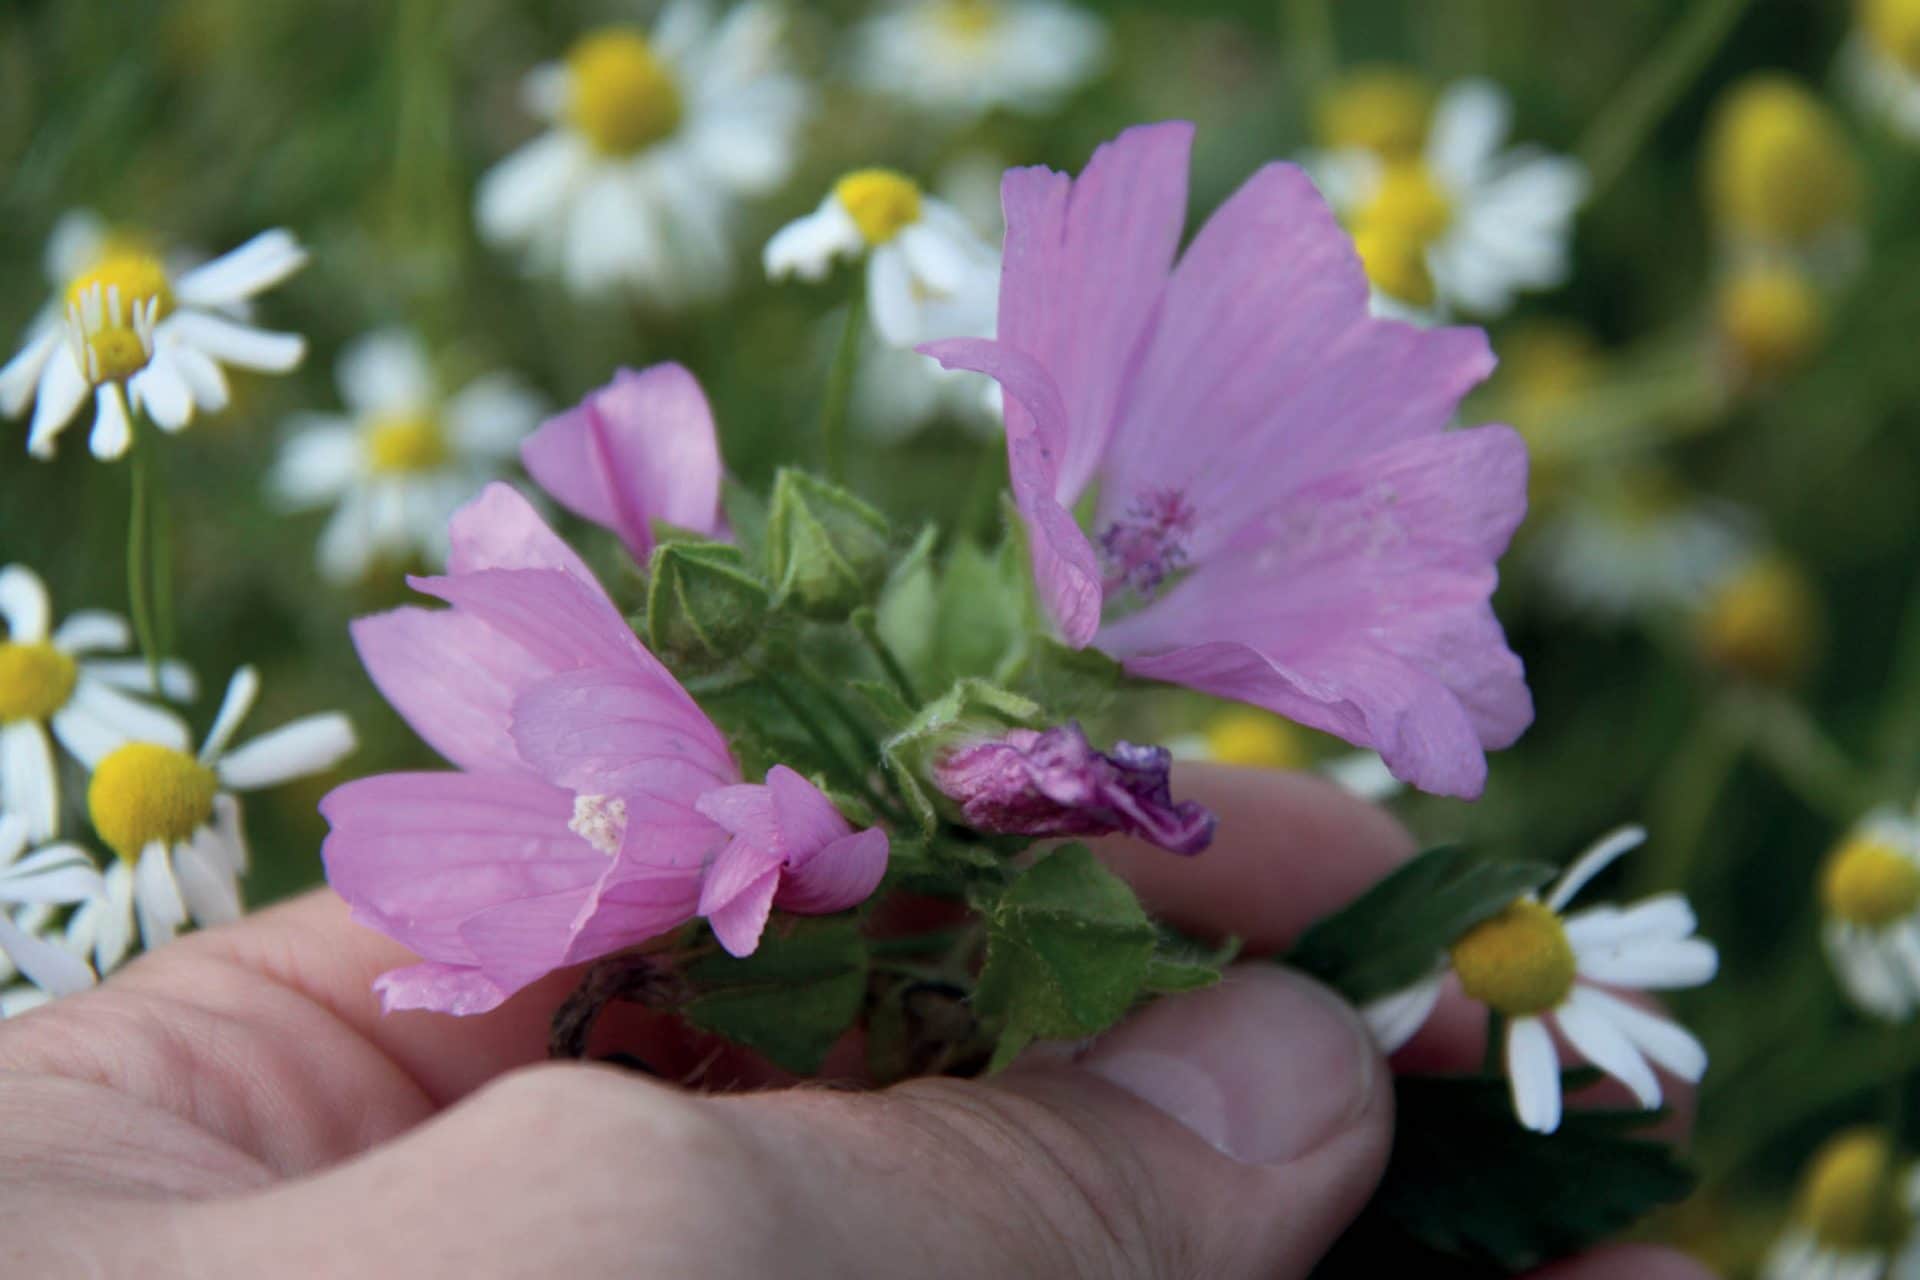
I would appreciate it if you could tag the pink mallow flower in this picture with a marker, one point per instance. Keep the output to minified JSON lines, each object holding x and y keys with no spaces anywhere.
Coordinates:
{"x":575,"y":826}
{"x":1053,"y":783}
{"x":640,"y":449}
{"x":1283,"y":516}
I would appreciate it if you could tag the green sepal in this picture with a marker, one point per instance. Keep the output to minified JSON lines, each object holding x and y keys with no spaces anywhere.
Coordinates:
{"x":970,"y":706}
{"x":792,"y":998}
{"x":704,"y":606}
{"x":1393,"y":935}
{"x":827,"y":551}
{"x":1181,"y":964}
{"x":1069,"y":950}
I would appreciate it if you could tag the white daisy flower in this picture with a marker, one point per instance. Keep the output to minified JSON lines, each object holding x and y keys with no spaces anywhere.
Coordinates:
{"x":963,"y":58}
{"x":1850,"y":1216}
{"x":929,"y":274}
{"x":1870,"y":895}
{"x":55,"y":683}
{"x":138,"y":336}
{"x":1880,"y":63}
{"x":30,"y":887}
{"x":898,"y":392}
{"x":654,"y":139}
{"x":175,"y":825}
{"x":1635,"y":546}
{"x":1466,"y":225}
{"x":403,"y":459}
{"x":1544,"y":972}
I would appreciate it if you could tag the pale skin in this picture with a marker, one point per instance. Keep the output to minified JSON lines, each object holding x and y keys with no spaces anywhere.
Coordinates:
{"x":236,"y":1105}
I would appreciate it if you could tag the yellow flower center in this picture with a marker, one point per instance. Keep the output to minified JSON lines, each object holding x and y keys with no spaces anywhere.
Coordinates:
{"x":1382,"y":109}
{"x":623,"y":96}
{"x":144,"y":792}
{"x":1256,"y":739}
{"x":1779,"y":167}
{"x":1395,"y":265}
{"x":881,"y":203}
{"x":35,"y":681}
{"x":1518,"y":963}
{"x":1409,"y":202}
{"x":112,"y":308}
{"x":1772,"y":318}
{"x":1893,"y":26}
{"x":1760,"y":623}
{"x":1868,"y":882}
{"x":1847,"y":1196}
{"x":406,"y":444}
{"x":969,"y":20}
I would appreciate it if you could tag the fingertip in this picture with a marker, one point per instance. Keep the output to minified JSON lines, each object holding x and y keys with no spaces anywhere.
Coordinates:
{"x":1627,"y":1262}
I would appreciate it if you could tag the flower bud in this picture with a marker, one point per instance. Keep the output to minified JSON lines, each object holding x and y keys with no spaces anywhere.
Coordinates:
{"x":1771,"y":319}
{"x":827,"y":551}
{"x":1053,"y":783}
{"x":1760,"y":622}
{"x":703,"y":606}
{"x":1780,"y":169}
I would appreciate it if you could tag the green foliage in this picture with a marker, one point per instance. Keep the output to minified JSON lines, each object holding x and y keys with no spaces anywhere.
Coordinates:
{"x":1069,"y":950}
{"x":827,"y":550}
{"x":704,"y":607}
{"x":1391,"y":936}
{"x":1469,"y":1192}
{"x":792,"y":998}
{"x":970,"y":707}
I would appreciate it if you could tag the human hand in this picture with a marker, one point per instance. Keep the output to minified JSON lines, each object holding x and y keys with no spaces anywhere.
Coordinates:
{"x":235,"y":1104}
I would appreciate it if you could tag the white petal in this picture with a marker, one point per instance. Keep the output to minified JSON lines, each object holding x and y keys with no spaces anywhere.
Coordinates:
{"x":1666,"y":918}
{"x":940,"y":260}
{"x":162,"y":392}
{"x":48,"y":965}
{"x":235,"y":276}
{"x":386,"y":372}
{"x":156,"y":897}
{"x":22,"y":373}
{"x":206,"y":381}
{"x":1670,"y":1045}
{"x":29,"y":787}
{"x":63,"y":389}
{"x":1653,"y":966}
{"x":807,"y":247}
{"x":891,"y":297}
{"x":101,"y":716}
{"x":310,"y":745}
{"x":346,"y":548}
{"x":492,"y":415}
{"x":207,"y":884}
{"x":24,"y":605}
{"x":1363,"y":774}
{"x":1533,"y":1073}
{"x":1470,"y":121}
{"x":92,"y":631}
{"x":177,"y":682}
{"x":1395,"y":1019}
{"x":13,"y":837}
{"x":614,"y":237}
{"x":242,"y":690}
{"x":58,"y":874}
{"x":529,"y":189}
{"x":1595,"y":860}
{"x":319,"y":460}
{"x":74,"y":245}
{"x":234,"y":343}
{"x":545,"y":91}
{"x":232,"y":833}
{"x":108,"y":925}
{"x":112,"y":428}
{"x":1593,"y":1034}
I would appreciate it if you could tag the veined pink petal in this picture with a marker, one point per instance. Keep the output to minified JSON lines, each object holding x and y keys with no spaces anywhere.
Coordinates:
{"x":640,"y":449}
{"x":807,"y":820}
{"x":499,"y":529}
{"x":745,"y":810}
{"x":452,"y":678}
{"x":739,"y":921}
{"x":736,"y":871}
{"x":561,"y":621}
{"x":839,"y":875}
{"x":618,"y":730}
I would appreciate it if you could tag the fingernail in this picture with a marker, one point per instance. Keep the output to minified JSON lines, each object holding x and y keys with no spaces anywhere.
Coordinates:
{"x":1266,"y":1066}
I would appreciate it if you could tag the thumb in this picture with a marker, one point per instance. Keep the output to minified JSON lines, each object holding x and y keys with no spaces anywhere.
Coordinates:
{"x":1230,"y":1132}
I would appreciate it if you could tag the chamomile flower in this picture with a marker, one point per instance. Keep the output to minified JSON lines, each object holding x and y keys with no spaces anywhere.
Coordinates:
{"x":1250,"y":738}
{"x":174,"y":823}
{"x":1543,"y":971}
{"x":1881,"y":62}
{"x":404,"y":459}
{"x":929,"y":275}
{"x":1870,"y":897}
{"x":1769,"y":316}
{"x":140,"y":336}
{"x":1781,"y":173}
{"x":57,"y":683}
{"x":1852,"y":1212}
{"x":654,"y":138}
{"x":30,"y":885}
{"x":963,"y":58}
{"x":1637,"y":544}
{"x":1466,"y":224}
{"x":1760,"y":621}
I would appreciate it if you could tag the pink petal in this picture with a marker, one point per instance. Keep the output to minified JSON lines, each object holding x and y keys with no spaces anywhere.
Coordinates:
{"x":499,"y":529}
{"x":452,"y":678}
{"x":842,"y":874}
{"x":745,"y":810}
{"x":641,"y":449}
{"x":563,"y":622}
{"x":808,"y":821}
{"x":620,"y":731}
{"x":443,"y":988}
{"x":739,"y":918}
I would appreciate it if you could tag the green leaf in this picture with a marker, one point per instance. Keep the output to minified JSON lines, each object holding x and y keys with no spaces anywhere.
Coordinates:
{"x":1073,"y":683}
{"x":1069,"y":950}
{"x":1392,"y":935}
{"x":1181,"y":964}
{"x":792,"y":998}
{"x":1467,"y":1183}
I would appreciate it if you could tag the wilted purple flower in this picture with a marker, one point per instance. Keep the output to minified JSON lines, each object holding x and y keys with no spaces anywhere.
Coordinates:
{"x":1053,"y":783}
{"x":1283,"y":515}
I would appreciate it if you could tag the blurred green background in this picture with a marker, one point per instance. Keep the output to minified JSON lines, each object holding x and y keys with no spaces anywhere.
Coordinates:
{"x":364,"y":125}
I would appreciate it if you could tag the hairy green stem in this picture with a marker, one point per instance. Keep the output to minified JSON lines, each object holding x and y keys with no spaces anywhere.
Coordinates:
{"x":868,"y":624}
{"x":139,"y":586}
